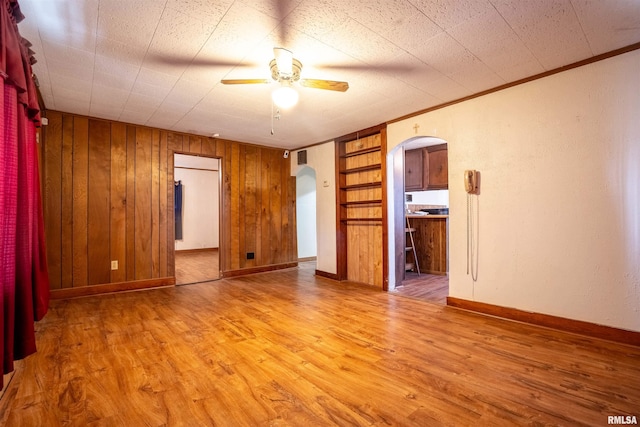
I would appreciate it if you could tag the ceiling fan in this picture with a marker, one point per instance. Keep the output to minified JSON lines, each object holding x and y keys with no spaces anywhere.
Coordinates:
{"x":285,"y":69}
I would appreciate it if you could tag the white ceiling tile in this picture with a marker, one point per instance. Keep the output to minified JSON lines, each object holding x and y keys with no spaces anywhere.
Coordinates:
{"x":65,"y":53}
{"x":129,"y":22}
{"x":153,"y":83}
{"x":361,"y":43}
{"x":446,"y":88}
{"x":140,"y":101}
{"x":69,"y":23}
{"x":449,"y":13}
{"x":500,"y":47}
{"x":477,"y":77}
{"x":608,"y":24}
{"x":187,"y":92}
{"x":550,"y":30}
{"x":108,"y":112}
{"x":70,"y":87}
{"x":109,"y":72}
{"x":180,"y":34}
{"x":70,"y":71}
{"x":204,"y":10}
{"x":120,"y":51}
{"x":398,"y":21}
{"x":418,"y":74}
{"x":109,"y":96}
{"x":520,"y":70}
{"x":136,"y":116}
{"x":69,"y":103}
{"x":445,"y":54}
{"x":168,"y":114}
{"x":317,"y":20}
{"x":168,"y":56}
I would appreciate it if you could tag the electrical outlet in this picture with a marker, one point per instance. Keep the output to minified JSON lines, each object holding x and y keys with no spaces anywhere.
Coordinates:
{"x":114,"y":265}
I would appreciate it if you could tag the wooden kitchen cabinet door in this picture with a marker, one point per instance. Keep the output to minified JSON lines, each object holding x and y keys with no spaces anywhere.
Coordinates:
{"x":414,"y":170}
{"x":437,"y":168}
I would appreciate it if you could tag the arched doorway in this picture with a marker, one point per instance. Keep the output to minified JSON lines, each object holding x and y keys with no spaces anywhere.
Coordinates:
{"x":397,"y":208}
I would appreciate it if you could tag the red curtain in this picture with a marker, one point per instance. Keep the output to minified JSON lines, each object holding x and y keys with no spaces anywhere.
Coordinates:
{"x":24,"y":290}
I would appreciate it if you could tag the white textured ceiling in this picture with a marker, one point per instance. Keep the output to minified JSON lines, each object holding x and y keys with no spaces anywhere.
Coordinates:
{"x":159,"y":62}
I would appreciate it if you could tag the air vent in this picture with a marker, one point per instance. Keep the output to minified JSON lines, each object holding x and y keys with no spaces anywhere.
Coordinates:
{"x":302,"y":157}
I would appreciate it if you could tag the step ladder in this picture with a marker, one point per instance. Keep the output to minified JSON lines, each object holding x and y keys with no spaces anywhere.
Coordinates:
{"x":409,"y":266}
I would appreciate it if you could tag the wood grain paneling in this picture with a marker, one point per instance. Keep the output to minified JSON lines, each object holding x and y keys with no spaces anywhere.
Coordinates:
{"x":79,"y":235}
{"x":131,"y":203}
{"x":119,"y":201}
{"x":66,"y":254}
{"x":109,"y":196}
{"x":98,"y":205}
{"x":52,"y":198}
{"x":143,"y":214}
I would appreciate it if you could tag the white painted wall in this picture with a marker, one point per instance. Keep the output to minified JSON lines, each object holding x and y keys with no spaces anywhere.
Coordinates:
{"x":201,"y":204}
{"x":560,"y":192}
{"x":321,"y":158}
{"x":306,"y":212}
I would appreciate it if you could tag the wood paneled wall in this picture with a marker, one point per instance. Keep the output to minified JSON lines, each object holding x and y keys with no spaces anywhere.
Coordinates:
{"x":108,"y":195}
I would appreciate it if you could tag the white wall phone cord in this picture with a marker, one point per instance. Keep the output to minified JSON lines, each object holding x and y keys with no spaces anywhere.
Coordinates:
{"x":472,"y":241}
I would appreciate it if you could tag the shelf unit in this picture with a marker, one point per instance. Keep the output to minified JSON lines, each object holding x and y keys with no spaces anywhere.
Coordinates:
{"x":360,"y":193}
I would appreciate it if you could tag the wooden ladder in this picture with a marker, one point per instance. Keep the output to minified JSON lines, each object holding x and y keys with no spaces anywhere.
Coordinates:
{"x":408,"y":266}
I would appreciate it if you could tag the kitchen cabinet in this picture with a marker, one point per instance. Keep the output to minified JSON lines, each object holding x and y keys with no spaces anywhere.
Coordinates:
{"x":437,"y":164}
{"x":431,"y":242}
{"x":413,"y":170}
{"x":426,"y":168}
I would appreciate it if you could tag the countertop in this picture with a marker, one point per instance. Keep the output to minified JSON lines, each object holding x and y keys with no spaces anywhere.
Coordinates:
{"x":426,"y":216}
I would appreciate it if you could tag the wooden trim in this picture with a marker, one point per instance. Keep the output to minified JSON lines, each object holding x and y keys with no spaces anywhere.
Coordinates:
{"x":587,"y":61}
{"x":197,"y":169}
{"x":191,"y":251}
{"x":307,"y":259}
{"x":341,"y":211}
{"x":560,"y":323}
{"x":385,"y":217}
{"x":108,"y":288}
{"x":253,"y":270}
{"x":331,"y":276}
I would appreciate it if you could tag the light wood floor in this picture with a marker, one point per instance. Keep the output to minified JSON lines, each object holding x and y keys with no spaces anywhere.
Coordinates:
{"x":195,"y":267}
{"x":291,"y":349}
{"x":425,"y":287}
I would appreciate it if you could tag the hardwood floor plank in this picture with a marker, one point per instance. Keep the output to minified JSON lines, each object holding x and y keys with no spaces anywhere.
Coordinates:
{"x":291,"y":348}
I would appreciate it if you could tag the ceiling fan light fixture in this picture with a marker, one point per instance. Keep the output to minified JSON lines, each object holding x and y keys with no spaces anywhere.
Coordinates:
{"x":285,"y":97}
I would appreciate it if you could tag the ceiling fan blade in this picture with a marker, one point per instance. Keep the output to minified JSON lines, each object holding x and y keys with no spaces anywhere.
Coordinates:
{"x":325,"y":84}
{"x":244,"y":81}
{"x":284,"y":61}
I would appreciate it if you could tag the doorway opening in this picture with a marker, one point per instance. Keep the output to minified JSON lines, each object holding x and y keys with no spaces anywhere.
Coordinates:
{"x":197,"y":218}
{"x":416,"y":235}
{"x":306,"y":214}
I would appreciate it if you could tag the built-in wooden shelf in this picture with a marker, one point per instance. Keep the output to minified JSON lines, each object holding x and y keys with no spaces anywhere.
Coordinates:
{"x":362,"y":185}
{"x":360,"y":195}
{"x":362,"y":202}
{"x":359,"y":219}
{"x":360,"y":152}
{"x":362,"y":168}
